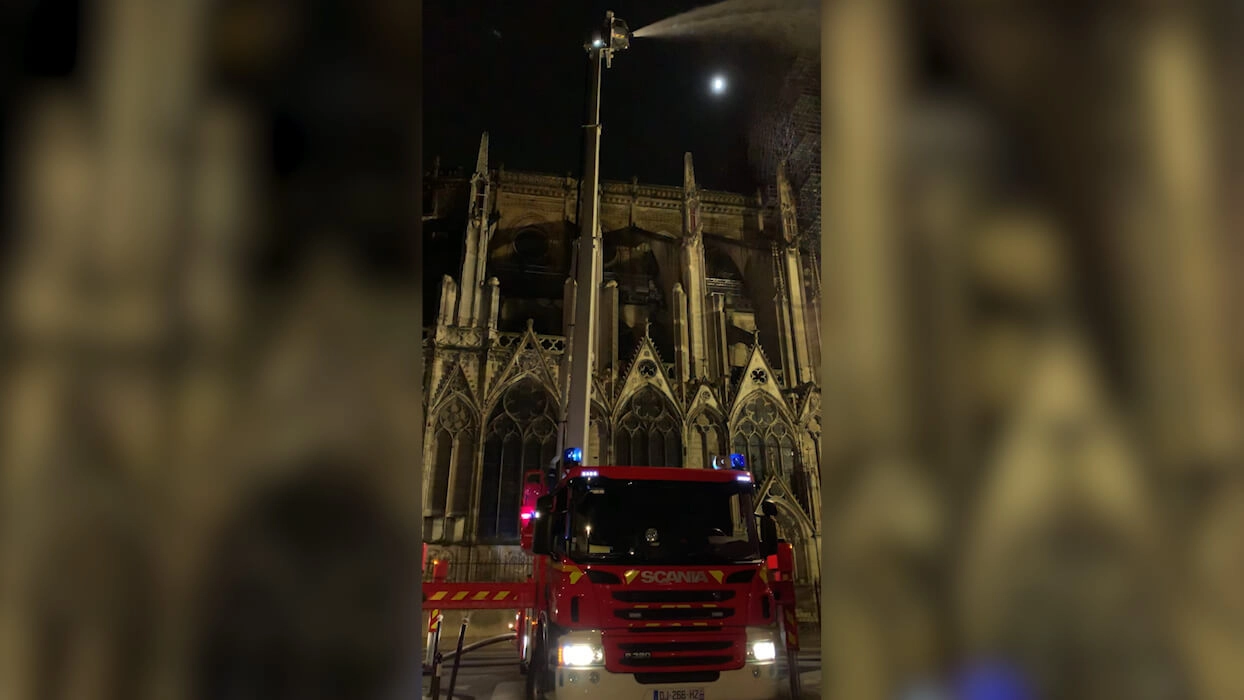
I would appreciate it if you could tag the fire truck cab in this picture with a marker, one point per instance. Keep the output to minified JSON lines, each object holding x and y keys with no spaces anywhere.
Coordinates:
{"x":650,"y":582}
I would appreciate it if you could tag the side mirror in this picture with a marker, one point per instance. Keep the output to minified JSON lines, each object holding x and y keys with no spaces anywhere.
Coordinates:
{"x":768,"y":548}
{"x":540,"y":541}
{"x":768,"y":536}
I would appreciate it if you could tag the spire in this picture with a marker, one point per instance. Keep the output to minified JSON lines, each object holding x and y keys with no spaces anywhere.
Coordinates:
{"x":692,"y":224}
{"x":786,"y":206}
{"x":481,"y":163}
{"x":475,"y":258}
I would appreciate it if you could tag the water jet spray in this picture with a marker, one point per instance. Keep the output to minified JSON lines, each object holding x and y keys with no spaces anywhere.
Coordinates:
{"x":793,"y":23}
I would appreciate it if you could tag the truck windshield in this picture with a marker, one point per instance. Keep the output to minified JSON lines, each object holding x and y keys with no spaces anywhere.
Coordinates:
{"x":662,"y":522}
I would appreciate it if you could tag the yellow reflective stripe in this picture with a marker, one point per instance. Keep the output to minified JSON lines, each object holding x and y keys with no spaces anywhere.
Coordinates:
{"x":460,"y":595}
{"x":501,"y":595}
{"x":480,"y":596}
{"x":575,"y":572}
{"x":439,"y":595}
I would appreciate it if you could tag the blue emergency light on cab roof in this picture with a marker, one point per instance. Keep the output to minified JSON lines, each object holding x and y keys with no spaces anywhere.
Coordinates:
{"x":575,"y":455}
{"x":738,"y":461}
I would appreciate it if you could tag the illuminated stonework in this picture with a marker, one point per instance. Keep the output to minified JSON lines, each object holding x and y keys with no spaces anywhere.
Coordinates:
{"x":681,"y":376}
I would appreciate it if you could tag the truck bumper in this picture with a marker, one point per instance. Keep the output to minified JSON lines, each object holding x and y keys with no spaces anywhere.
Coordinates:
{"x":752,"y":682}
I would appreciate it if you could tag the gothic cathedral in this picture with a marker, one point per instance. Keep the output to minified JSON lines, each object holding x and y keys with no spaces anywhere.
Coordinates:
{"x":708,"y":343}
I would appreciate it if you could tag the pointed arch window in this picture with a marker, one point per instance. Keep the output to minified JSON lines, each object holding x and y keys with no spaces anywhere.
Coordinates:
{"x":706,"y":439}
{"x":453,"y":450}
{"x":763,"y":436}
{"x":599,"y":437}
{"x":649,"y":434}
{"x":521,"y":436}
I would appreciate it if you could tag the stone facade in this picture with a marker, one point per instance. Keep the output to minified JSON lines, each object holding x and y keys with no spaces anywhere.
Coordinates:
{"x":786,"y":132}
{"x":703,"y":348}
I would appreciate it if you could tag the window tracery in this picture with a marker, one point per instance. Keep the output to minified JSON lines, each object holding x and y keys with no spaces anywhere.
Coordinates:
{"x":649,"y":434}
{"x":521,"y":436}
{"x":761,"y":433}
{"x":454,"y":444}
{"x":705,"y":439}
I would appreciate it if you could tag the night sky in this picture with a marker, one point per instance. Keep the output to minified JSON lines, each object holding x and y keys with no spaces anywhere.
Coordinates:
{"x":518,"y":71}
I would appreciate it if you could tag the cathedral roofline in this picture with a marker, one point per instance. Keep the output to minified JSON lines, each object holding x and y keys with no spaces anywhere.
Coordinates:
{"x":609,"y":188}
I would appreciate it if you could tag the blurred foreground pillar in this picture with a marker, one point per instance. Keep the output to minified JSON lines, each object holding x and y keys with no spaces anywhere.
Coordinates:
{"x":191,"y":460}
{"x":1177,"y":229}
{"x":1192,"y":387}
{"x":878,"y":628}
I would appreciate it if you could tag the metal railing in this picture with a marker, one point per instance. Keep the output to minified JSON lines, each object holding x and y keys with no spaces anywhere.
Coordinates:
{"x":555,"y":344}
{"x":724,"y":284}
{"x":485,"y":572}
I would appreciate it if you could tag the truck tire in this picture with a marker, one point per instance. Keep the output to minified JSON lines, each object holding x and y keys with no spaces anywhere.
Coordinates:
{"x":538,"y":669}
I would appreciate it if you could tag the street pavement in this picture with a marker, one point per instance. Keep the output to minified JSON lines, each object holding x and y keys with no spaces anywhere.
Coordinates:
{"x":492,"y":673}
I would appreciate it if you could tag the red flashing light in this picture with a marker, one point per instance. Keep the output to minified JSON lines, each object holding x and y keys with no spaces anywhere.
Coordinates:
{"x":440,"y":570}
{"x":785,"y":558}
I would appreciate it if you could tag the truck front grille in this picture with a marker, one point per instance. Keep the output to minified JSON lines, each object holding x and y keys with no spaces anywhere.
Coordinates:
{"x":671,"y":662}
{"x":677,"y":677}
{"x":674,"y":613}
{"x":674,"y":596}
{"x":702,"y":627}
{"x":697,"y":645}
{"x":632,"y":653}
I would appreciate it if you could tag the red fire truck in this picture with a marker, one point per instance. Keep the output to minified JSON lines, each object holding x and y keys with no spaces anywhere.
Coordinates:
{"x":646,"y":581}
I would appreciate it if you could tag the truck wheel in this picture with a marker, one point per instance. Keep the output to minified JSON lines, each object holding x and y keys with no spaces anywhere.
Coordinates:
{"x":537,"y":669}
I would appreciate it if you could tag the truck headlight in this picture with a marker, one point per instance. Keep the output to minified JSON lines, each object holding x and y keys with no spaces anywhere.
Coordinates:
{"x":760,"y":646}
{"x":764,"y":651}
{"x":581,"y":651}
{"x":582,"y":655}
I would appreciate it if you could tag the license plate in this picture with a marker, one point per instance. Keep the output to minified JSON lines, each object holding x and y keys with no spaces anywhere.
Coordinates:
{"x":679,"y":694}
